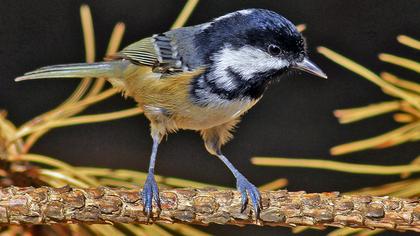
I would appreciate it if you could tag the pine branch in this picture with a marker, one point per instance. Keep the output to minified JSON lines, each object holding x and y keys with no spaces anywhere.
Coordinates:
{"x":101,"y":205}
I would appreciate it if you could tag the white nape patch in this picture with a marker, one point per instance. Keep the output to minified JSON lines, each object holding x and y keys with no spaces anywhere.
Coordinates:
{"x":242,"y":12}
{"x":205,"y":25}
{"x":246,"y":61}
{"x":229,"y":15}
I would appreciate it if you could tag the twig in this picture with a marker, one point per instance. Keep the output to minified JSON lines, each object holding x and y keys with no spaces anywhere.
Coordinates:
{"x":336,"y":165}
{"x":364,"y":72}
{"x":105,"y":205}
{"x":185,"y":14}
{"x":408,"y":41}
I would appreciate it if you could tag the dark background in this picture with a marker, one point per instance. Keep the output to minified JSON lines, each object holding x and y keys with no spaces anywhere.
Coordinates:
{"x":294,"y":118}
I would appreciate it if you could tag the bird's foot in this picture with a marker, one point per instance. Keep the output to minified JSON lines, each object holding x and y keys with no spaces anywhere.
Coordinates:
{"x":247,"y":189}
{"x":150,"y":192}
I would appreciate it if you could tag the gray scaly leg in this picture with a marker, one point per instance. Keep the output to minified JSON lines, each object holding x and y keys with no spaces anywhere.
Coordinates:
{"x":244,"y":187}
{"x":150,"y":188}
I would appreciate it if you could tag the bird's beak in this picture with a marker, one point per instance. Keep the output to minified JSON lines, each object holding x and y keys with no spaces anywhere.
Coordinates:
{"x":310,"y":67}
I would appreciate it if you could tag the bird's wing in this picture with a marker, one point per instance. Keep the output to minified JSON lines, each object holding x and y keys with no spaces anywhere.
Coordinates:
{"x":158,"y":51}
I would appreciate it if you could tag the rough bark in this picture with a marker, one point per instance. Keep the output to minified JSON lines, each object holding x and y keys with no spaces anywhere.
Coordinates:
{"x":47,"y":205}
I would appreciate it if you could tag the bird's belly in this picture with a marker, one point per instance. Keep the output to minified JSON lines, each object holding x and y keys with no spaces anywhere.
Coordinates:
{"x":204,"y":117}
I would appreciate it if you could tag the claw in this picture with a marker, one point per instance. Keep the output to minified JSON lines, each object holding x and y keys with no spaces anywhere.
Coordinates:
{"x":244,"y":198}
{"x":150,"y":192}
{"x":247,"y":189}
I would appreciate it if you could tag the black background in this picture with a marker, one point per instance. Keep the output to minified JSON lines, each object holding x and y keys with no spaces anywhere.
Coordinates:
{"x":294,"y":118}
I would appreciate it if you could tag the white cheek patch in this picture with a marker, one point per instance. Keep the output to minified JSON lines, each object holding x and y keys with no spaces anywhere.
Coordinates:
{"x":246,"y":61}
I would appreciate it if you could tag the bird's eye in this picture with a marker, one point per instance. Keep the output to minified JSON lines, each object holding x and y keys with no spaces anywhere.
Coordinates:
{"x":274,"y":50}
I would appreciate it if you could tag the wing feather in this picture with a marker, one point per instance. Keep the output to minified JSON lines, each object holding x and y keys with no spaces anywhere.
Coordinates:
{"x":159,"y":51}
{"x":141,"y":52}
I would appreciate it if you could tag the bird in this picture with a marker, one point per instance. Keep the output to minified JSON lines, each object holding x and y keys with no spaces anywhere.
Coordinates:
{"x":203,"y":78}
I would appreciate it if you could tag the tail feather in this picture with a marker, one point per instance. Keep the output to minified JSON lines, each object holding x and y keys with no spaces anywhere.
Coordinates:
{"x":78,"y":70}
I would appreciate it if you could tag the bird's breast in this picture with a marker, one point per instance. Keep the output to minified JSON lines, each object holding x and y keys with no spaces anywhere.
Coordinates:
{"x":169,"y":102}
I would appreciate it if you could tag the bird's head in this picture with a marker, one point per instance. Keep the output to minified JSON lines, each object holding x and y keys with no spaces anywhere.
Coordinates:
{"x":246,"y":49}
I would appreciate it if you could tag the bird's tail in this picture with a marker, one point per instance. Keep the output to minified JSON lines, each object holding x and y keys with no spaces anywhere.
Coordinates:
{"x":108,"y":69}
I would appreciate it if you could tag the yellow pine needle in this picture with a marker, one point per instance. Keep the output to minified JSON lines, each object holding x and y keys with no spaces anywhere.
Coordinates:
{"x":56,"y":164}
{"x":412,"y":191}
{"x":98,"y":172}
{"x":155,"y":230}
{"x":89,"y":100}
{"x":88,"y":32}
{"x":106,"y":230}
{"x":409,"y":85}
{"x":412,"y":135}
{"x":369,"y":232}
{"x":7,"y":128}
{"x":355,"y":232}
{"x":400,"y":61}
{"x":134,"y":229}
{"x":416,"y":161}
{"x":97,"y":118}
{"x":374,"y":142}
{"x":274,"y":185}
{"x":113,"y":45}
{"x":76,"y":107}
{"x":299,"y":229}
{"x":137,"y":176}
{"x":183,"y":183}
{"x":69,"y":180}
{"x":185,"y":230}
{"x":403,"y":118}
{"x":410,"y":110}
{"x":56,"y":183}
{"x":383,"y":190}
{"x":32,"y":139}
{"x":116,"y":37}
{"x":118,"y":183}
{"x":121,"y":174}
{"x":89,"y":40}
{"x":185,"y":14}
{"x":344,"y":231}
{"x":301,"y":27}
{"x":369,"y":75}
{"x":335,"y":165}
{"x":346,"y":116}
{"x":78,"y":230}
{"x":408,"y":41}
{"x":81,"y":120}
{"x":73,"y":107}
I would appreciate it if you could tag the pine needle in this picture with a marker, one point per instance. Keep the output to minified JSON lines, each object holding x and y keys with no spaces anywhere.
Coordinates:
{"x":335,"y":166}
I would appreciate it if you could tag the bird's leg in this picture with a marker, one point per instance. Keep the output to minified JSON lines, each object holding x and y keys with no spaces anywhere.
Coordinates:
{"x":245,"y":187}
{"x":214,"y":138}
{"x":150,"y":188}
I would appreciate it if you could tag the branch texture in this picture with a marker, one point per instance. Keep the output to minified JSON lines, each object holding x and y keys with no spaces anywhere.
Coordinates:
{"x":48,"y":205}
